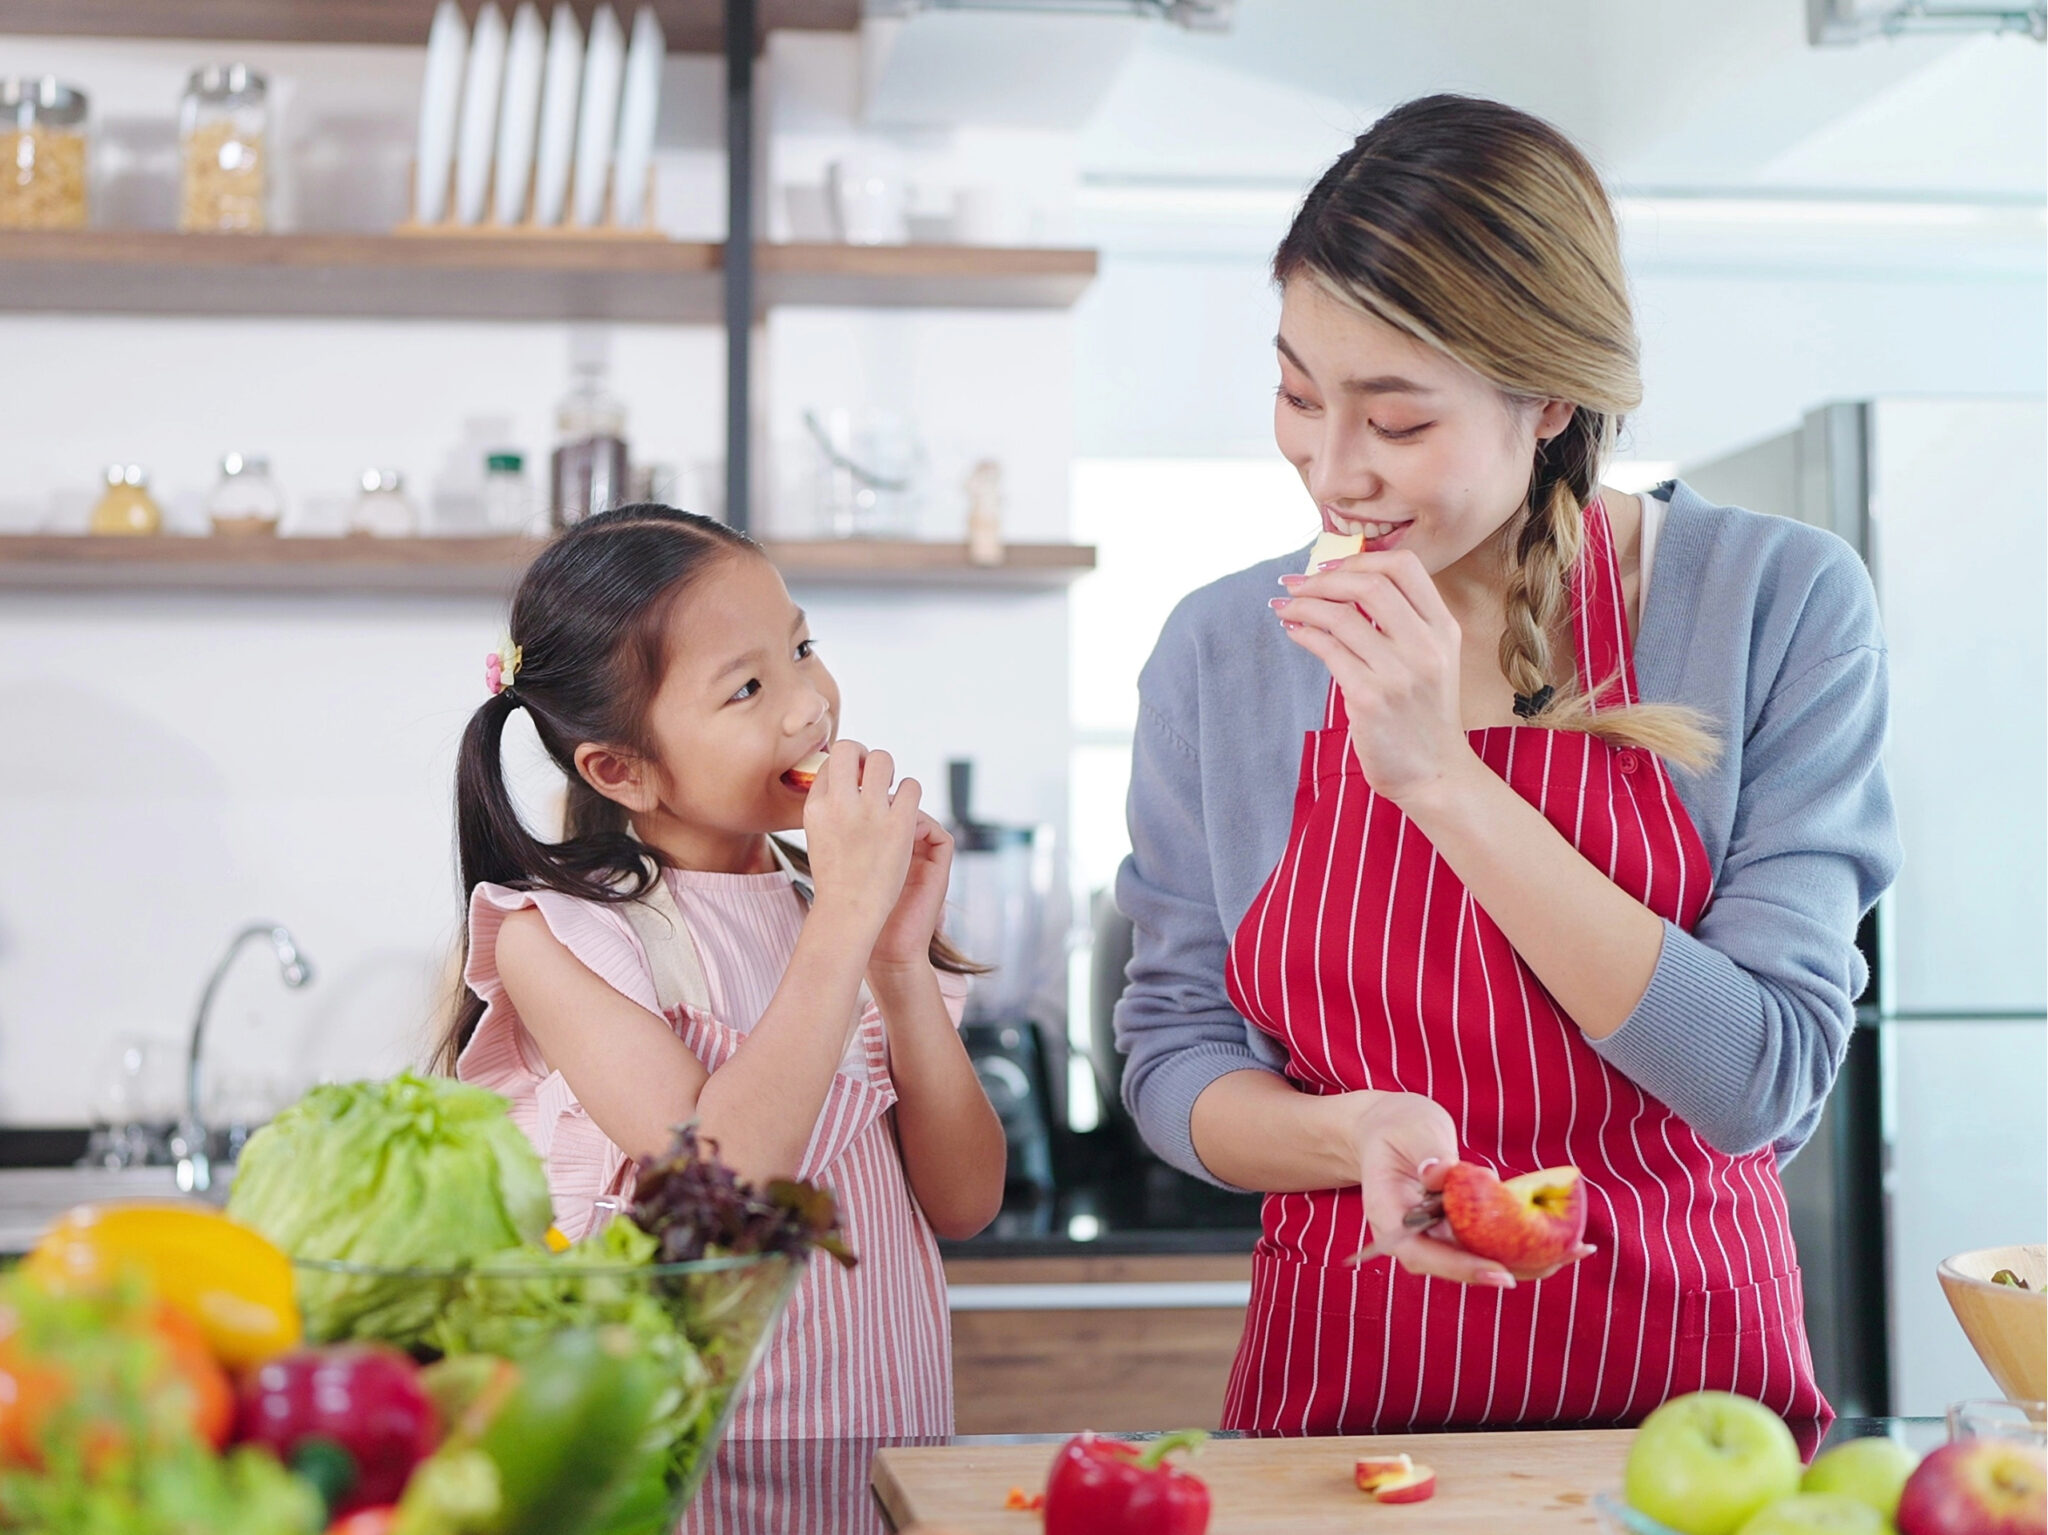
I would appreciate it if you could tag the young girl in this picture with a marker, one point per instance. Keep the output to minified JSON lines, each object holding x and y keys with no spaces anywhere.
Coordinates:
{"x":669,"y":959}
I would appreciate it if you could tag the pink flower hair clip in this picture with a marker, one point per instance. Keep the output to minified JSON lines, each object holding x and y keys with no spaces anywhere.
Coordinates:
{"x":501,"y":666}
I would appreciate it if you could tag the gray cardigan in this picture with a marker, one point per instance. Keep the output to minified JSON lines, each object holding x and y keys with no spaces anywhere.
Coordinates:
{"x":1765,"y":625}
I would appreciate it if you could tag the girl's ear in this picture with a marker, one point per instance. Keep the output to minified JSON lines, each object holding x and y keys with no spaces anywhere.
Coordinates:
{"x":1553,"y":418}
{"x":619,"y":776}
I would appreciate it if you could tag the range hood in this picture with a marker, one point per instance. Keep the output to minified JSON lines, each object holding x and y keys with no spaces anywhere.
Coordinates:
{"x":1856,"y":21}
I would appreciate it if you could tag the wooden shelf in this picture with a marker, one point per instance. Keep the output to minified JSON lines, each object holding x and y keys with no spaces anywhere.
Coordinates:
{"x":691,"y":26}
{"x":502,"y":277}
{"x":480,"y":566}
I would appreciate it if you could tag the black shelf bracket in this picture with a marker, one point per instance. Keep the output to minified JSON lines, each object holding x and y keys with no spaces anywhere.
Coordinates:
{"x":740,"y":39}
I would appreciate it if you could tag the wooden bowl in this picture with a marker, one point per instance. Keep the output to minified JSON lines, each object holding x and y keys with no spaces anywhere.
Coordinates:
{"x":2008,"y":1327}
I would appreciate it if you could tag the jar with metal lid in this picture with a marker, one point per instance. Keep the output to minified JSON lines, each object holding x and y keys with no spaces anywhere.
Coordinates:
{"x":383,"y":509}
{"x":127,"y":507}
{"x":246,"y":500}
{"x":224,"y":131}
{"x":42,"y":154}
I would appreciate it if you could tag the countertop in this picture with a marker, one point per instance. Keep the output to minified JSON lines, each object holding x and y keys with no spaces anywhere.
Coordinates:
{"x":823,"y":1484}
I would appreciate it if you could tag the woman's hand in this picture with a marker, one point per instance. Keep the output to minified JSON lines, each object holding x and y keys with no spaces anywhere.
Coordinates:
{"x":906,"y":938}
{"x":1379,"y":624}
{"x":859,"y":833}
{"x":1406,"y":1144}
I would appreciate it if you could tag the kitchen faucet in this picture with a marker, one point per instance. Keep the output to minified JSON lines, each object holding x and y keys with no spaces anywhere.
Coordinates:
{"x":188,"y":1143}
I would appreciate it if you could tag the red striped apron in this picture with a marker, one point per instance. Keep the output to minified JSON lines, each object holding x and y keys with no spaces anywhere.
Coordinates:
{"x":1368,"y":959}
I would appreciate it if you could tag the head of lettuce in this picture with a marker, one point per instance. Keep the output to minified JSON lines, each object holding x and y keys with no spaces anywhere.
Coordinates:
{"x":408,"y":1173}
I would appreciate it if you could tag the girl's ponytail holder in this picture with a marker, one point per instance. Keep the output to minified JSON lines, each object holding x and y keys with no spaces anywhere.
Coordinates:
{"x":501,"y":666}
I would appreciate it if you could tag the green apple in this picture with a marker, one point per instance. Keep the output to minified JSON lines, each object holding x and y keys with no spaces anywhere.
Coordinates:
{"x":1871,"y":1471}
{"x":1818,"y":1513}
{"x":1704,"y":1464}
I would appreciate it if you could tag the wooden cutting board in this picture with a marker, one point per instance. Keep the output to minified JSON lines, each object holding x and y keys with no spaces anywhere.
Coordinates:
{"x":1517,"y":1483}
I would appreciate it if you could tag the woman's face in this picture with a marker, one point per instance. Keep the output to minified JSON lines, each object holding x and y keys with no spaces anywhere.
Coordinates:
{"x":1394,"y":439}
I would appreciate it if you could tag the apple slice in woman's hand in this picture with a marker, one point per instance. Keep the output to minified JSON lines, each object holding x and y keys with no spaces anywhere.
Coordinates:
{"x":1333,"y":546}
{"x":1527,"y":1224}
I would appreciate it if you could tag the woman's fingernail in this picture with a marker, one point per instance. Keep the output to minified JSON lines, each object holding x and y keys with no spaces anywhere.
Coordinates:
{"x":1277,"y":603}
{"x":1499,"y":1278}
{"x":1291,"y":581}
{"x":1426,"y":1164}
{"x":1289,"y":623}
{"x":1328,"y":565}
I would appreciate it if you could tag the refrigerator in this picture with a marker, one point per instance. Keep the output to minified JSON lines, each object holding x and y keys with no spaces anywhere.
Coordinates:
{"x":1933,"y":1141}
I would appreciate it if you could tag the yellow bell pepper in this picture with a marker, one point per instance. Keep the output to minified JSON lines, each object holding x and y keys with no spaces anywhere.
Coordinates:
{"x":226,"y":1277}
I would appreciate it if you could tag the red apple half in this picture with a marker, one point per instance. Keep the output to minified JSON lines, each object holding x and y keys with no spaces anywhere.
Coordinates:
{"x":1526,"y":1224}
{"x":1977,"y":1487}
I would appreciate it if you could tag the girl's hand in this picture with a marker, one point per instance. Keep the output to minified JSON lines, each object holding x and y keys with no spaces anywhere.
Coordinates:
{"x":906,"y":938}
{"x":1406,"y":1144}
{"x":859,"y":833}
{"x":1379,"y":624}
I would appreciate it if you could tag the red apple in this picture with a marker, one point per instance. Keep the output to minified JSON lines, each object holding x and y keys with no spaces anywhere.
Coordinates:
{"x":1977,"y":1487}
{"x":1372,"y":1470}
{"x":1415,"y":1485}
{"x":1526,"y":1224}
{"x":805,"y":773}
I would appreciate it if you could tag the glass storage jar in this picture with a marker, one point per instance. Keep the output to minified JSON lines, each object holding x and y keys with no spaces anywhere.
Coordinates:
{"x":384,"y":510}
{"x":42,"y":154}
{"x":246,"y":500}
{"x":127,"y":507}
{"x":224,"y":136}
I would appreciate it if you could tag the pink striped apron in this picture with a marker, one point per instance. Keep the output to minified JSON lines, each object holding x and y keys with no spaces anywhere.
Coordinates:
{"x":1368,"y":959}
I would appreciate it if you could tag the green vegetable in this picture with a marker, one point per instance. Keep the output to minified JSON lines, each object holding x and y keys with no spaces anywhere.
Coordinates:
{"x":179,"y":1490}
{"x":562,"y":1452}
{"x":413,"y":1171}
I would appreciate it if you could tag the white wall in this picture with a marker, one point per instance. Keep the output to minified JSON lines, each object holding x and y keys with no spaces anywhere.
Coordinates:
{"x":173,"y":764}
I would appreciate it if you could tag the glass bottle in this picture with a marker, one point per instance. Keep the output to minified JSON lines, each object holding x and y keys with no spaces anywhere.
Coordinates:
{"x":42,"y":154}
{"x":587,"y":472}
{"x":127,"y":507}
{"x":246,"y":500}
{"x":508,"y":505}
{"x":384,"y":510}
{"x":224,"y":133}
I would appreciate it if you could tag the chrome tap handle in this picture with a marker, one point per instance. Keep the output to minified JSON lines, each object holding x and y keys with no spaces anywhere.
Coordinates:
{"x":188,"y":1144}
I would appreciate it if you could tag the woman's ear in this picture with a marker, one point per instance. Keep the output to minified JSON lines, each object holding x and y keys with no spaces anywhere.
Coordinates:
{"x":619,"y":776}
{"x":1552,"y":419}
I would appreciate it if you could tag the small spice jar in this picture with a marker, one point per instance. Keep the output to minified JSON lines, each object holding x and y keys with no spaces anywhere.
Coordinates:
{"x":224,"y":131}
{"x":42,"y":154}
{"x":246,"y":500}
{"x":384,"y":510}
{"x":127,"y":507}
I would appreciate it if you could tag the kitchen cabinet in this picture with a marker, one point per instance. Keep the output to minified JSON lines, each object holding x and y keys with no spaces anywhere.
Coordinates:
{"x":1122,"y":1344}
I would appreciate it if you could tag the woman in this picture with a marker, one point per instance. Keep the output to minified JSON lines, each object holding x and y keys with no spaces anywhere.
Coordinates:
{"x":1568,"y":868}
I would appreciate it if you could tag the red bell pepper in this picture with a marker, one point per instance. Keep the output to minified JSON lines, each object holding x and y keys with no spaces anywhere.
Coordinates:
{"x":1108,"y":1487}
{"x":351,"y":1417}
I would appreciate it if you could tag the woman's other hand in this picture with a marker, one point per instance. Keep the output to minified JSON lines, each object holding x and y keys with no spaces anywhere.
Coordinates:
{"x":1406,"y":1144}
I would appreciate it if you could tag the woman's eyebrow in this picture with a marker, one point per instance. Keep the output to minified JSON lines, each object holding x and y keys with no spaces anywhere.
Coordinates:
{"x":1384,"y":383}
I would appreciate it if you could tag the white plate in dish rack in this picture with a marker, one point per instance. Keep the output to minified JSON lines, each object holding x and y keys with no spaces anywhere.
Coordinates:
{"x":639,"y":107}
{"x":519,"y":112}
{"x":561,"y":89}
{"x":597,"y":125}
{"x":479,"y":132}
{"x":440,"y":104}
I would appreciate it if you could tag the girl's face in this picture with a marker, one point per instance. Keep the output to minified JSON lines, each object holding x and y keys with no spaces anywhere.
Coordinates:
{"x":745,"y":699}
{"x":1394,"y":439}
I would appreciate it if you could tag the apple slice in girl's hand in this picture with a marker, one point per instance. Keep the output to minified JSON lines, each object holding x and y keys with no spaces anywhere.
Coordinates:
{"x":1333,"y":546}
{"x":805,"y":773}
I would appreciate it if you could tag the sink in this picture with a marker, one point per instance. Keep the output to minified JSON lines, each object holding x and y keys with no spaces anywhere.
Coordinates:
{"x":31,"y":1197}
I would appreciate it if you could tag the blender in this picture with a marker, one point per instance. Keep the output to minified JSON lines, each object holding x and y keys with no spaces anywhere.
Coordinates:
{"x":999,"y":901}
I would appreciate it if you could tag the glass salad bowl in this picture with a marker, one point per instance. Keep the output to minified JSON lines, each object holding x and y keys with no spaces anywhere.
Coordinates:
{"x":631,"y":1417}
